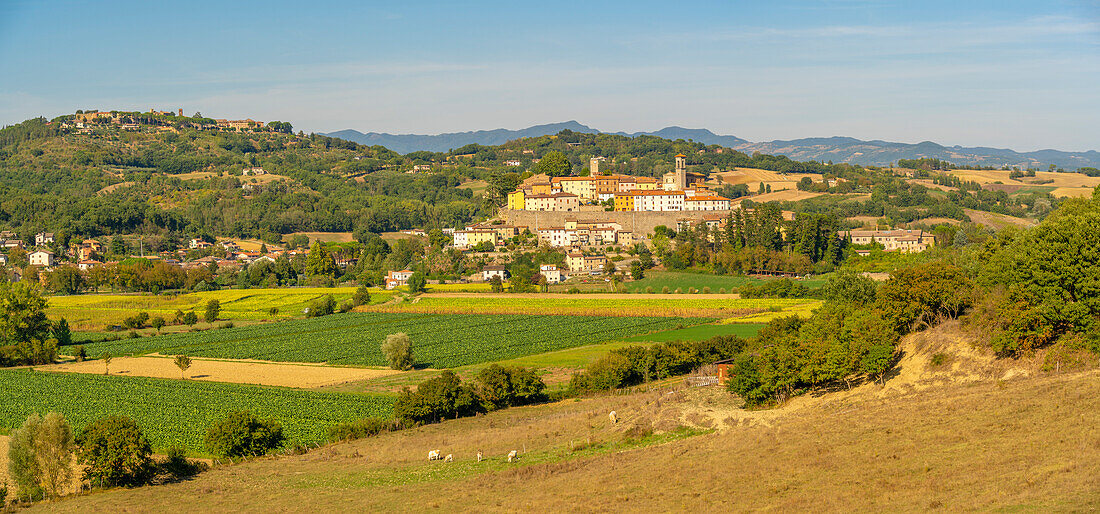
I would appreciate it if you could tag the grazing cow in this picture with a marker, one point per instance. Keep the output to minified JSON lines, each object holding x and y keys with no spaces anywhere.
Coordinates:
{"x":449,"y":458}
{"x":511,"y":455}
{"x":433,"y":455}
{"x":479,"y":455}
{"x":614,"y":418}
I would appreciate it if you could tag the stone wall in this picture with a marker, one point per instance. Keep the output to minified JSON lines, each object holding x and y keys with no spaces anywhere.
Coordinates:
{"x":637,"y":222}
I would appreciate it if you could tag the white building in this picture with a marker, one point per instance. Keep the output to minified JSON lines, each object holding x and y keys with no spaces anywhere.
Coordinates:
{"x":488,"y":272}
{"x":706,"y":203}
{"x":43,"y":238}
{"x":551,"y":272}
{"x":659,"y":201}
{"x":395,"y":279}
{"x":43,"y":258}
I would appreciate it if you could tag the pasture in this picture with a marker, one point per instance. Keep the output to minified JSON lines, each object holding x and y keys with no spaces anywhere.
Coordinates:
{"x":984,"y":177}
{"x":439,"y":341}
{"x":701,"y":332}
{"x":658,"y":280}
{"x":177,"y":412}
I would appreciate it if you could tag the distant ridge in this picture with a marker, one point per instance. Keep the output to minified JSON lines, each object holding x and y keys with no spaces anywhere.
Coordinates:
{"x":835,"y":149}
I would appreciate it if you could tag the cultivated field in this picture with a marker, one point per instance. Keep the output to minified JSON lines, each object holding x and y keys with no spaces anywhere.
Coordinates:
{"x":702,"y":332}
{"x":301,"y":375}
{"x":327,"y":237}
{"x":683,"y":305}
{"x":96,"y":311}
{"x":1058,"y":179}
{"x":786,"y":195}
{"x":658,"y":280}
{"x":753,"y":177}
{"x":996,"y":221}
{"x":177,"y":412}
{"x":1073,"y":192}
{"x":440,"y":341}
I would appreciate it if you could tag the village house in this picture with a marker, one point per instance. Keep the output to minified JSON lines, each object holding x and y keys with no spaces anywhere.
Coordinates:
{"x":551,"y":273}
{"x":659,"y":201}
{"x":43,"y":238}
{"x":706,"y":203}
{"x":579,"y":262}
{"x":253,"y":171}
{"x":464,"y":239}
{"x":11,"y":243}
{"x":395,"y":279}
{"x":87,"y":264}
{"x":564,"y":202}
{"x":892,"y":240}
{"x":3,"y":260}
{"x":512,"y":162}
{"x":495,"y":270}
{"x":44,"y":258}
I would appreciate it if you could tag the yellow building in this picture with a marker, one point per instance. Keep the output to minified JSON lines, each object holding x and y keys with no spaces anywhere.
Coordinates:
{"x":543,"y":188}
{"x":624,"y":201}
{"x":516,"y":200}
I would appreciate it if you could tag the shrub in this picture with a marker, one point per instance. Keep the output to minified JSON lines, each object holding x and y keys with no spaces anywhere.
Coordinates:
{"x":664,"y":290}
{"x":61,"y":332}
{"x":242,"y":434}
{"x":359,"y":429}
{"x":938,"y":359}
{"x":136,"y":321}
{"x":706,"y":290}
{"x":157,"y":322}
{"x":347,"y":306}
{"x":435,"y":399}
{"x":679,"y":291}
{"x":418,"y":282}
{"x":500,"y":387}
{"x":322,"y":306}
{"x":692,"y":290}
{"x":649,"y":289}
{"x":227,"y":324}
{"x":81,"y":354}
{"x":176,"y":465}
{"x":115,"y":453}
{"x":398,"y":349}
{"x":189,"y":318}
{"x":722,"y":290}
{"x":133,"y":335}
{"x":574,"y":290}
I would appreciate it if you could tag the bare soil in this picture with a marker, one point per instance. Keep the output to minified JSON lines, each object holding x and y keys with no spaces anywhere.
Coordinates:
{"x":303,"y":375}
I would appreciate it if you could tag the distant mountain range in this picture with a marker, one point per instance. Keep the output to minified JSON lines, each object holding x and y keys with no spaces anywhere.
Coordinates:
{"x":835,"y":149}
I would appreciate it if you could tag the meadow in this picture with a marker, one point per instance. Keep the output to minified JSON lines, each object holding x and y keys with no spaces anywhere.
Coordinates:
{"x":439,"y":341}
{"x":701,"y":332}
{"x":178,"y":412}
{"x":687,"y":305}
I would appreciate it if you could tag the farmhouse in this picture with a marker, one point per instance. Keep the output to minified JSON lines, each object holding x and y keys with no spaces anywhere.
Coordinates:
{"x":395,"y":279}
{"x":464,"y":239}
{"x":488,"y":272}
{"x":43,"y":238}
{"x":892,"y":240}
{"x":580,"y":262}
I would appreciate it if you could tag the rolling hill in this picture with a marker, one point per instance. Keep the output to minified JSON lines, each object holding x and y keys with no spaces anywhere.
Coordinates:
{"x":836,"y":149}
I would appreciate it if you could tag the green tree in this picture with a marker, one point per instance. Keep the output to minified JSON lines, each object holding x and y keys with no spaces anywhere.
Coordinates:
{"x":157,"y":322}
{"x":66,"y":280}
{"x":61,"y":332}
{"x":242,"y":434}
{"x":554,"y":164}
{"x":213,"y":308}
{"x":846,"y":286}
{"x":24,"y":328}
{"x":115,"y":452}
{"x":183,"y":362}
{"x":398,"y":349}
{"x":320,"y":261}
{"x":40,"y":455}
{"x":418,"y":282}
{"x":362,"y":296}
{"x":190,"y":318}
{"x":496,"y":285}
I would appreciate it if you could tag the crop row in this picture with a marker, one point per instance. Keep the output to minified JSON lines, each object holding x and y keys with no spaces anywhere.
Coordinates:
{"x":175,"y":412}
{"x":439,"y":341}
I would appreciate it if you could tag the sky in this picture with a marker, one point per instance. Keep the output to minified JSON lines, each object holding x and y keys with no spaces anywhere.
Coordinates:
{"x":1007,"y":74}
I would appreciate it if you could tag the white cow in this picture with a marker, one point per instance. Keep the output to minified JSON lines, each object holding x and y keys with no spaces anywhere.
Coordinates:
{"x":449,"y":458}
{"x":511,"y":455}
{"x":614,"y":418}
{"x":433,"y":455}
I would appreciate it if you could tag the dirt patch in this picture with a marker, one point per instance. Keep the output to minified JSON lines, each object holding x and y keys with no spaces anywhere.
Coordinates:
{"x":114,"y":187}
{"x":327,"y":237}
{"x":214,"y":370}
{"x":589,"y":296}
{"x":789,"y":195}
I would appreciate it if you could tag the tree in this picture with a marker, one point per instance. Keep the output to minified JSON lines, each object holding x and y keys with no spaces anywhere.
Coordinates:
{"x":846,"y":286}
{"x":213,"y":308}
{"x":40,"y":455}
{"x":417,"y":282}
{"x":24,"y":328}
{"x":115,"y":452}
{"x":362,"y":296}
{"x":66,"y":280}
{"x":157,"y":322}
{"x":398,"y":349}
{"x":190,"y":318}
{"x":106,"y":357}
{"x":496,"y":285}
{"x":320,"y":261}
{"x":554,"y":164}
{"x":322,"y":307}
{"x":916,"y":295}
{"x":637,"y":272}
{"x":62,"y":333}
{"x":183,"y":362}
{"x":242,"y":434}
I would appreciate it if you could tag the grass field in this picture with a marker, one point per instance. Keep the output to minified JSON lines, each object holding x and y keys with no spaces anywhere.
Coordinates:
{"x":710,"y":306}
{"x":658,"y":280}
{"x":177,"y":412}
{"x":701,"y":332}
{"x":92,"y":312}
{"x":440,"y":341}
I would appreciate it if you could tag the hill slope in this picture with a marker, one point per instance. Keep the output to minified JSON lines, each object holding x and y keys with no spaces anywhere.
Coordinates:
{"x":960,"y":442}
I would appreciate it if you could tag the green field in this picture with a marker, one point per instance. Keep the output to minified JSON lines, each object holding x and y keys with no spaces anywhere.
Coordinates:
{"x":607,"y":305}
{"x":658,"y":280}
{"x":440,"y":341}
{"x":96,"y":311}
{"x":701,"y":332}
{"x":178,"y":412}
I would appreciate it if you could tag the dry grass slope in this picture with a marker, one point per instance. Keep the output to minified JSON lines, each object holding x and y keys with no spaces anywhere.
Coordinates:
{"x":926,"y":441}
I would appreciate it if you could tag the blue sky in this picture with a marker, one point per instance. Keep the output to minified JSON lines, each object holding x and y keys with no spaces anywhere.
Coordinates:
{"x":1024,"y":75}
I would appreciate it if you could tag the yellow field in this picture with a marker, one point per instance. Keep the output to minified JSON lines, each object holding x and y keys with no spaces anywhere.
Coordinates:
{"x":1059,"y":179}
{"x":788,"y":195}
{"x":96,"y":311}
{"x":1072,"y":192}
{"x":325,"y":237}
{"x":753,"y":177}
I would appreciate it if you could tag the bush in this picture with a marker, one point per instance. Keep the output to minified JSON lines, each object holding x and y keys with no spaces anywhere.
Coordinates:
{"x":157,"y":322}
{"x":176,"y":465}
{"x":136,"y":321}
{"x":322,"y":307}
{"x":938,"y":359}
{"x":115,"y":453}
{"x":435,"y":399}
{"x":574,"y":290}
{"x":500,"y":387}
{"x":81,"y":354}
{"x":61,"y":332}
{"x":664,"y":290}
{"x":359,"y":429}
{"x":242,"y":434}
{"x":189,"y":318}
{"x":722,"y":290}
{"x":649,"y":290}
{"x":637,"y":364}
{"x":347,"y":306}
{"x":679,"y":291}
{"x":706,"y":290}
{"x":398,"y":349}
{"x":418,"y":282}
